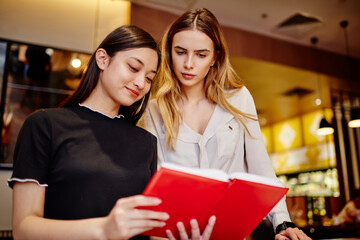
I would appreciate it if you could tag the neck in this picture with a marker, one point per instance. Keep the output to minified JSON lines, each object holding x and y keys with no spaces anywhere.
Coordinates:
{"x":101,"y":104}
{"x":193,"y":94}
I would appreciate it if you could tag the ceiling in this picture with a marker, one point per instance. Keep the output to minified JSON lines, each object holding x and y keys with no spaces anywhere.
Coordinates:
{"x":269,"y":81}
{"x":264,"y":16}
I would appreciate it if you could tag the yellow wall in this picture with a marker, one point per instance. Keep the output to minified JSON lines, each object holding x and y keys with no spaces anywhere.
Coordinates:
{"x":294,"y":146}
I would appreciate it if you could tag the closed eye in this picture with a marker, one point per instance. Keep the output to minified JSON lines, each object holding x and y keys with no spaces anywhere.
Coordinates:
{"x":180,"y":52}
{"x":149,"y":80}
{"x":133,"y":68}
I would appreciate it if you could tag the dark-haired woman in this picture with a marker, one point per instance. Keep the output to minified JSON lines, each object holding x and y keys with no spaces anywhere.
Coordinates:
{"x":78,"y":169}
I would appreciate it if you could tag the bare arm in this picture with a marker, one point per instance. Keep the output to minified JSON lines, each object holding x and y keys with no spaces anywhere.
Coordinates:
{"x":123,"y":222}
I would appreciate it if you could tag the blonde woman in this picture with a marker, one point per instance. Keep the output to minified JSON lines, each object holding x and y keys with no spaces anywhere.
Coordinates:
{"x":202,"y":114}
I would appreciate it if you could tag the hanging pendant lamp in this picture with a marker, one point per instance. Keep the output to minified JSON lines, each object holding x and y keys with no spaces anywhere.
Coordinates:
{"x":325,"y":127}
{"x":354,"y":112}
{"x":354,"y":118}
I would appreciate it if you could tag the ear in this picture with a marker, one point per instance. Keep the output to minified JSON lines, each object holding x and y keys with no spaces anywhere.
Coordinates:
{"x":102,"y":58}
{"x":214,"y":58}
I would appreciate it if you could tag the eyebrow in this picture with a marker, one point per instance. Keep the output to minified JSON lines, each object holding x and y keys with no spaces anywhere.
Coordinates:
{"x":200,"y":50}
{"x":141,"y":62}
{"x":138,"y":60}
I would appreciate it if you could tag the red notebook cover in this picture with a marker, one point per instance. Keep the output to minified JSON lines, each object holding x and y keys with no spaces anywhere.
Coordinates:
{"x":239,"y":205}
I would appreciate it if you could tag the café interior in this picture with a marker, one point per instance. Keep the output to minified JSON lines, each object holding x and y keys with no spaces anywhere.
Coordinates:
{"x":299,"y":59}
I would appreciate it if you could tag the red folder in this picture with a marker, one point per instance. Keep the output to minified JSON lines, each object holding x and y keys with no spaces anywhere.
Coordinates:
{"x":239,"y":201}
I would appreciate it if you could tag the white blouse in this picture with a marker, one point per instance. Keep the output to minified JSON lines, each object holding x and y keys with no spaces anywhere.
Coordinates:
{"x":225,"y":144}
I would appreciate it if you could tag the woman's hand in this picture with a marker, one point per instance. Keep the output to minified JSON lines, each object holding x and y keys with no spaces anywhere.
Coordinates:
{"x":292,"y":234}
{"x":195,"y":231}
{"x":126,"y":221}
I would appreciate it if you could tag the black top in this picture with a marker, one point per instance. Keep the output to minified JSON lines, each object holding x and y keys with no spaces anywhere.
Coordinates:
{"x":86,"y":159}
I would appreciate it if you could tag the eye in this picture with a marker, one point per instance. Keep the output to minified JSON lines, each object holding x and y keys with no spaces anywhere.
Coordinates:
{"x":133,"y":68}
{"x":149,"y":80}
{"x":202,"y":55}
{"x":180,"y":52}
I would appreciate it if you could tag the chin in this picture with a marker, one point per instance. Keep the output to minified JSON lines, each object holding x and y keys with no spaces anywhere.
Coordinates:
{"x":188,"y":83}
{"x":127,"y":103}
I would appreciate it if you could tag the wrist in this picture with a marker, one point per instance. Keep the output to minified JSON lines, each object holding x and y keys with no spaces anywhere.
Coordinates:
{"x":100,"y":229}
{"x":284,"y":226}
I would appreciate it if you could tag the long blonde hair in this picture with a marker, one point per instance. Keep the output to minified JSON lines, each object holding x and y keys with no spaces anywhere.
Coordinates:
{"x":221,"y":75}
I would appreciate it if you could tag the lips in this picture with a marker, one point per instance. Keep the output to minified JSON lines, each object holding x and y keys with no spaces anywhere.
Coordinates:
{"x":188,"y":76}
{"x":133,"y":92}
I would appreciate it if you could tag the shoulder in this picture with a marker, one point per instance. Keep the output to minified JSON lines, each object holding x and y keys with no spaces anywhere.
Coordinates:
{"x":39,"y":122}
{"x":50,"y":116}
{"x":242,"y":100}
{"x":153,"y":107}
{"x":41,"y":115}
{"x":153,"y":111}
{"x":239,"y":94}
{"x":141,"y":133}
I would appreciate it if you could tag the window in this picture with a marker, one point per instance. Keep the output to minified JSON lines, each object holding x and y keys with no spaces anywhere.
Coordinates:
{"x":36,"y":77}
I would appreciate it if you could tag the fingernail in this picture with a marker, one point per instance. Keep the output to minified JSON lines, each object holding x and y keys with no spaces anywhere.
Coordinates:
{"x":162,"y":224}
{"x":166,"y":216}
{"x":157,"y":200}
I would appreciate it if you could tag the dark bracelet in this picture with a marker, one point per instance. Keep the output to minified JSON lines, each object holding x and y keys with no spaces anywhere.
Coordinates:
{"x":284,"y":226}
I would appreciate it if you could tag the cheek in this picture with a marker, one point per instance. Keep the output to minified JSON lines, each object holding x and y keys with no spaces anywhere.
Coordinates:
{"x":175,"y":62}
{"x":205,"y":69}
{"x":145,"y":90}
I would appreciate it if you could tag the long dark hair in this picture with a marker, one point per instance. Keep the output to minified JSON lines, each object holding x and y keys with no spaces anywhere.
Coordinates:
{"x":123,"y":38}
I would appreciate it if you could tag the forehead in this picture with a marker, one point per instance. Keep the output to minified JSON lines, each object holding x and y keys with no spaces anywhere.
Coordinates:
{"x":145,"y":55}
{"x":192,"y":39}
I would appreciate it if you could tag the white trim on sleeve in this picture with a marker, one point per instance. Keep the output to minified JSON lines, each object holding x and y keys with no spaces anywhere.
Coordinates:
{"x":26,"y":180}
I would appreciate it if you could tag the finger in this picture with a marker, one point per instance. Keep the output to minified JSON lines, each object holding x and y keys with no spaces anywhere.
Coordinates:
{"x":145,"y":224}
{"x":195,"y":231}
{"x":170,"y":235}
{"x":137,"y":201}
{"x":292,"y":233}
{"x":208,"y":229}
{"x":302,"y":235}
{"x":139,"y":226}
{"x":183,"y":234}
{"x":281,"y":237}
{"x":147,"y":214}
{"x":136,"y":231}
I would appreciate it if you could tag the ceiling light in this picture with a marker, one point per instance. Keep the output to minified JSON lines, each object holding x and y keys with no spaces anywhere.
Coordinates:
{"x":355,"y":118}
{"x":325,"y":128}
{"x":318,"y":102}
{"x":355,"y":112}
{"x":76,"y":63}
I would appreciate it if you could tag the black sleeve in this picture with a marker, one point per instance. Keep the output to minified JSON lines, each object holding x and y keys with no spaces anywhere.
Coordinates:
{"x":32,"y":150}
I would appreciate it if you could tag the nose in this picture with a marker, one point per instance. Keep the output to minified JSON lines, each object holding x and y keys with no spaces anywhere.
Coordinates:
{"x":189,"y":64}
{"x":139,"y":82}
